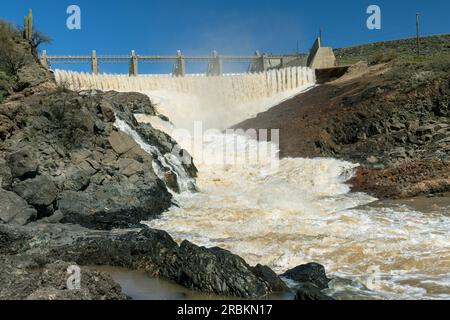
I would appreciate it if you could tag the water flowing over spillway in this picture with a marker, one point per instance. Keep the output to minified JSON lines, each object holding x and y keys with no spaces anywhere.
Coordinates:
{"x":218,"y":101}
{"x":290,"y":211}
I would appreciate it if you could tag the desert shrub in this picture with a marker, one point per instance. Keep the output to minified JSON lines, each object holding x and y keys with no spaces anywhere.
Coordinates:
{"x":440,"y":63}
{"x":382,"y":57}
{"x":40,"y":38}
{"x":8,"y":32}
{"x":11,"y":58}
{"x":6,"y":85}
{"x":63,"y":87}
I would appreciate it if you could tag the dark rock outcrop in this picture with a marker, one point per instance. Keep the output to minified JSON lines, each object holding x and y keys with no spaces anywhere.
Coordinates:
{"x":67,"y":155}
{"x":404,"y":181}
{"x":22,"y":162}
{"x":312,"y":272}
{"x":49,"y":282}
{"x":310,"y":292}
{"x":39,"y":192}
{"x":15,"y":210}
{"x":311,"y":280}
{"x":208,"y":270}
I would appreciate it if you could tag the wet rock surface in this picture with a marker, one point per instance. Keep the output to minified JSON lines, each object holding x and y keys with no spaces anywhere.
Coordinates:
{"x":39,"y":246}
{"x":405,"y":181}
{"x":310,"y":281}
{"x":15,"y":210}
{"x":312,"y":272}
{"x":27,"y":280}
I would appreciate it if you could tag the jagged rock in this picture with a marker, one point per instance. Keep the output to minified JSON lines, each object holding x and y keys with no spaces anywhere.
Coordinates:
{"x":77,"y":178}
{"x":407,"y":180}
{"x":117,"y":204}
{"x":26,"y":282}
{"x":426,"y":130}
{"x":23,"y":162}
{"x":271,"y":277}
{"x":6,"y":127}
{"x":208,"y":270}
{"x":171,"y":181}
{"x":397,"y":126}
{"x":309,"y":273}
{"x":38,"y":192}
{"x":130,"y":167}
{"x":15,"y":210}
{"x":310,"y":292}
{"x":217,"y":271}
{"x":135,"y":102}
{"x":121,"y":142}
{"x":5,"y":175}
{"x":107,"y":111}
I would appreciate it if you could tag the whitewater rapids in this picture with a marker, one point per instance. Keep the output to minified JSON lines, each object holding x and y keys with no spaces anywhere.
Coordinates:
{"x":301,"y":212}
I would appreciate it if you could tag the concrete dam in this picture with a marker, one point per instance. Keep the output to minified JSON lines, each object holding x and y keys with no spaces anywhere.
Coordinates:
{"x":218,"y":101}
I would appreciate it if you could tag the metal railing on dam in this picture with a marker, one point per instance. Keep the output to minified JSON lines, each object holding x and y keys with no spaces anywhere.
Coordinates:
{"x":215,"y":63}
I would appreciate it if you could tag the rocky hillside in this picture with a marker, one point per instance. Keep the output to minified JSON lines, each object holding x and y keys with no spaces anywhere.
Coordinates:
{"x":62,"y":156}
{"x":400,"y":49}
{"x":382,"y":116}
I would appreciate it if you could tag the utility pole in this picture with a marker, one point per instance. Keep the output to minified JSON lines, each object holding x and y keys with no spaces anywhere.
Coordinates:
{"x":418,"y":32}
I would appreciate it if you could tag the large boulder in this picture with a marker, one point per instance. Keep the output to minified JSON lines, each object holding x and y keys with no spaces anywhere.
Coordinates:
{"x":309,"y":273}
{"x":135,"y":102}
{"x":121,"y":142}
{"x":264,"y":272}
{"x":218,"y":271}
{"x":40,"y":192}
{"x":23,"y":162}
{"x":50,"y":282}
{"x":310,"y":281}
{"x":310,"y":292}
{"x":117,"y":204}
{"x":15,"y":210}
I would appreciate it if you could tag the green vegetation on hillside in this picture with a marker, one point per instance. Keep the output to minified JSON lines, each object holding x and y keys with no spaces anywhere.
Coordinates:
{"x":404,"y":49}
{"x":10,"y":59}
{"x":15,"y":54}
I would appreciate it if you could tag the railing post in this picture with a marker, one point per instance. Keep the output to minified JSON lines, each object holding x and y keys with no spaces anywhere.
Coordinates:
{"x":265,"y":62}
{"x":94,"y":62}
{"x":133,"y":64}
{"x":216,"y":65}
{"x":180,"y":65}
{"x":44,"y":60}
{"x":261,"y":63}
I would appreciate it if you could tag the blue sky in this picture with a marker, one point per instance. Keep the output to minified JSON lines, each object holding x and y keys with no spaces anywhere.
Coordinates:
{"x":229,"y":26}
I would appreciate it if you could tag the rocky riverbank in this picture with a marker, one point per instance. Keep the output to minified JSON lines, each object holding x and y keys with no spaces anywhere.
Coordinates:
{"x":391,"y":117}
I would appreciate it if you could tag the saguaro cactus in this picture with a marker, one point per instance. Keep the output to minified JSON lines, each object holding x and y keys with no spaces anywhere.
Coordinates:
{"x":28,"y":26}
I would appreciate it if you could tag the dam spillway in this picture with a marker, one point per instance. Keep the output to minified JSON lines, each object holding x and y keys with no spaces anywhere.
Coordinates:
{"x":218,"y":101}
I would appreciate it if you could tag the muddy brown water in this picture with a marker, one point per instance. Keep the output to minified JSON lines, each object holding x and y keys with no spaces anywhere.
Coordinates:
{"x":138,"y":285}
